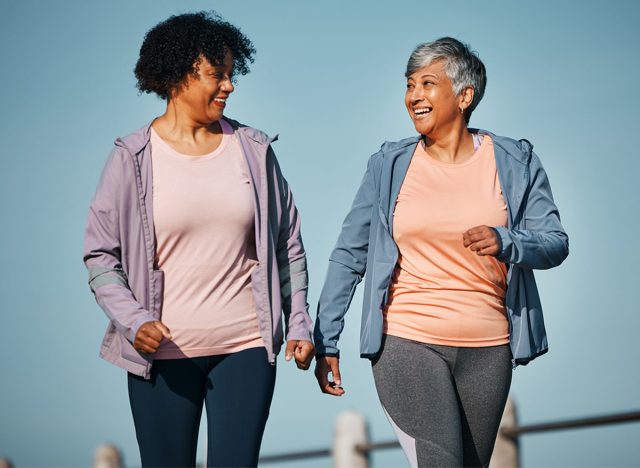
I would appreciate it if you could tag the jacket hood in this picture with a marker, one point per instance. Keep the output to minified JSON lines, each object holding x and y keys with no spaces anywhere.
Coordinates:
{"x":520,"y":150}
{"x":253,"y":133}
{"x":388,"y":146}
{"x":137,"y":140}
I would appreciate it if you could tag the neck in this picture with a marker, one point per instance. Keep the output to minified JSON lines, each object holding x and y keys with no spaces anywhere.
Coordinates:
{"x":451,"y":145}
{"x":178,"y":124}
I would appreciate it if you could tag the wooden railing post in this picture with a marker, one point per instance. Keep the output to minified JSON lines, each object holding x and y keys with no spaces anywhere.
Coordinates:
{"x":107,"y":456}
{"x":350,"y":431}
{"x":506,"y":452}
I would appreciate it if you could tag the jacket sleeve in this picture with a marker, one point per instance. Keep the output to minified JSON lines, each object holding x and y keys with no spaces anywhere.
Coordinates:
{"x":292,"y":262}
{"x":347,"y":265}
{"x":542,"y":243}
{"x":102,"y":253}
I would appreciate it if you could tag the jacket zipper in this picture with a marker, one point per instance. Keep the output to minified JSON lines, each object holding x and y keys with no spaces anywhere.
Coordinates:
{"x":264,"y":219}
{"x":146,"y":235}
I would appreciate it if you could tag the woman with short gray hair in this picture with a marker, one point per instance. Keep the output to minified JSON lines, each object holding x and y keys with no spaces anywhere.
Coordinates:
{"x":448,"y":226}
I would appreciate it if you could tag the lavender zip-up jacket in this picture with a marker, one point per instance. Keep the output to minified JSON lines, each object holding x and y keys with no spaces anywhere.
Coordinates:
{"x":119,"y":249}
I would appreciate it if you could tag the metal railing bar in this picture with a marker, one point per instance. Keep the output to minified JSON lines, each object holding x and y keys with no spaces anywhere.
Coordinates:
{"x":513,"y":432}
{"x":530,"y":428}
{"x":295,"y":456}
{"x":364,"y":448}
{"x":572,"y":424}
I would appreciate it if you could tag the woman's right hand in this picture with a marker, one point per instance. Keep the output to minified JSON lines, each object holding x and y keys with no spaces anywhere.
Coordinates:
{"x":150,"y":335}
{"x":324,"y":365}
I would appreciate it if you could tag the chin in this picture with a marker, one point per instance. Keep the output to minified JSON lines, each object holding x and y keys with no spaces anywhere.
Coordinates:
{"x":422,"y":129}
{"x":214,"y":117}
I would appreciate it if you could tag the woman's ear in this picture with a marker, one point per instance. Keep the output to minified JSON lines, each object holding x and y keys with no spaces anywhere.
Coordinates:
{"x":466,"y":97}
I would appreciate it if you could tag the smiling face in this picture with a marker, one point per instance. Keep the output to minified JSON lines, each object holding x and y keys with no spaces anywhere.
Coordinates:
{"x":432,"y":104}
{"x":204,"y":96}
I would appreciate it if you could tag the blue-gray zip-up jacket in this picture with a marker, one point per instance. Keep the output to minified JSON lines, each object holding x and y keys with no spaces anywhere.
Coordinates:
{"x":533,"y":239}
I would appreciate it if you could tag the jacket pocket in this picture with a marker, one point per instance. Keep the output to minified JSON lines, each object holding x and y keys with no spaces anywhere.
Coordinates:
{"x":108,"y":338}
{"x":128,"y":352}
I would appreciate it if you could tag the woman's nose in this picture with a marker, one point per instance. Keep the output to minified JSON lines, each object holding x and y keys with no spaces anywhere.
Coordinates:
{"x":227,"y":85}
{"x":416,"y":95}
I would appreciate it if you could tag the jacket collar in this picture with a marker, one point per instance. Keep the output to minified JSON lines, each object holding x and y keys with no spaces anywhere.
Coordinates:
{"x":512,"y":162}
{"x":138,"y":140}
{"x":250,"y":132}
{"x":520,"y":150}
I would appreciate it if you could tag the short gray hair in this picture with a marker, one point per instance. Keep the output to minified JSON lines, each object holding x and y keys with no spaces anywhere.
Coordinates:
{"x":463,"y":66}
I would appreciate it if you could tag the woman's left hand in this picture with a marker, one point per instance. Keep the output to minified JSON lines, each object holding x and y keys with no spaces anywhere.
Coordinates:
{"x":482,"y":240}
{"x":303,"y":352}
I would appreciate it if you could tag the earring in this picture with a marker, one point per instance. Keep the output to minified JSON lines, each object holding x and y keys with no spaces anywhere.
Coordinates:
{"x":461,"y":110}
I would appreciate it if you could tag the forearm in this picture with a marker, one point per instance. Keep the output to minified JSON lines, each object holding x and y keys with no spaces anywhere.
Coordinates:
{"x":294,"y":281}
{"x":299,"y":323}
{"x":335,"y":299}
{"x":107,"y":278}
{"x":538,"y":241}
{"x":123,"y":310}
{"x":347,"y":263}
{"x":532,"y":249}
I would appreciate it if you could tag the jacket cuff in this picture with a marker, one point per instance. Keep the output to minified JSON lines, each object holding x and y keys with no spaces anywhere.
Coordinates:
{"x":300,"y":333}
{"x":504,"y":237}
{"x":324,"y":349}
{"x":144,"y":318}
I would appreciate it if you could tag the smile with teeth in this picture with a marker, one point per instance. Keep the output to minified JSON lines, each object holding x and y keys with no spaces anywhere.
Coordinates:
{"x":223,"y":101}
{"x":422,"y":111}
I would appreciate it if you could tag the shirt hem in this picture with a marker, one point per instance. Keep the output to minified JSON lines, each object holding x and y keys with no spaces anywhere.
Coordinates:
{"x":453,"y":343}
{"x":182,"y":353}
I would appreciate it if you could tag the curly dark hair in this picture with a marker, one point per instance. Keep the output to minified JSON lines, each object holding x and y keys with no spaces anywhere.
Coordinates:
{"x":174,"y":48}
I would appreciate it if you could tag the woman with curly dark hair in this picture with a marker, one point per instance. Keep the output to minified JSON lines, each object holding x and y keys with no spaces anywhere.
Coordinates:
{"x":194,"y":252}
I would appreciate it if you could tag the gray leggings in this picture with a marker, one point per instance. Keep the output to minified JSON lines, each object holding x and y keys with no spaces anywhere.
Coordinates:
{"x":444,"y":402}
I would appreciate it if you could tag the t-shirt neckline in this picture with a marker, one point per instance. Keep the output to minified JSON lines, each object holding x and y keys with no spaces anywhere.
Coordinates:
{"x":477,"y":154}
{"x":227,"y":131}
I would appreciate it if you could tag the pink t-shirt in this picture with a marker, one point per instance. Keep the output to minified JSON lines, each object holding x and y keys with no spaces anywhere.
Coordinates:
{"x":441,"y":292}
{"x":204,"y":226}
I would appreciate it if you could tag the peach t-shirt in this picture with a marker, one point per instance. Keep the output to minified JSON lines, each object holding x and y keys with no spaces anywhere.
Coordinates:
{"x":204,"y":225}
{"x":441,"y":292}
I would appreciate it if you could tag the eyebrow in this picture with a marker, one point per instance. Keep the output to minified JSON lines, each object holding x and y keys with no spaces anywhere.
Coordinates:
{"x":219,"y":69}
{"x":432,"y":75}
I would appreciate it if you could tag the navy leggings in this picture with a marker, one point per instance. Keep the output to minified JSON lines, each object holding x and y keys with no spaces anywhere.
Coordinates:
{"x":236,"y":390}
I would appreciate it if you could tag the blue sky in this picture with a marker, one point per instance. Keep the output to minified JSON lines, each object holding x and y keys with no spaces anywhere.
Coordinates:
{"x":328,"y":77}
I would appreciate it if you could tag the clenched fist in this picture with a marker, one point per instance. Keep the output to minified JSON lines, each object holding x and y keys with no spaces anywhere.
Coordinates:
{"x":482,"y":240}
{"x":150,"y":335}
{"x":302,"y":350}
